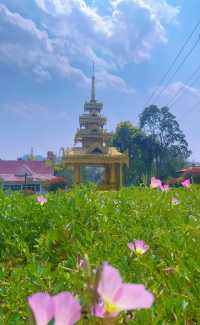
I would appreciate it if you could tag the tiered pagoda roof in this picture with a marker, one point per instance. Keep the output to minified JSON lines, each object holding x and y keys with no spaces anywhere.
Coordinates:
{"x":92,"y":124}
{"x":93,"y":137}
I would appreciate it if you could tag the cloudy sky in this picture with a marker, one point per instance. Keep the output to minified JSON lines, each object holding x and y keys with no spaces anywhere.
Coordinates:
{"x":46,"y":52}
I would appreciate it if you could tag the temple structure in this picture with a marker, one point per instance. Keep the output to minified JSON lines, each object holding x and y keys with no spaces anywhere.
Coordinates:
{"x":95,"y":149}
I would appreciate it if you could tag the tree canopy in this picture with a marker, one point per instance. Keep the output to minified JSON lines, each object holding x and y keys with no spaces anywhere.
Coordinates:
{"x":131,"y":139}
{"x":157,"y":147}
{"x":169,"y":142}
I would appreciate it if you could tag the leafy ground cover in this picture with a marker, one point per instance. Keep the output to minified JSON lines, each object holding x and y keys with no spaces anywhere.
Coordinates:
{"x":39,"y":246}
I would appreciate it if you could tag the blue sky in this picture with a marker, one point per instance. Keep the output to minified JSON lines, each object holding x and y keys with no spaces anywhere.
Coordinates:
{"x":46,"y":53}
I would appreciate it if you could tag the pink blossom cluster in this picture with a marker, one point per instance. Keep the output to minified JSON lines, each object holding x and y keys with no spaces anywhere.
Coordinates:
{"x":42,"y":200}
{"x":156,"y":183}
{"x":186,"y":183}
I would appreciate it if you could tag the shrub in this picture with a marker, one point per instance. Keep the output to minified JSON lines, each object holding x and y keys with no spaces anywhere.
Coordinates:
{"x":176,"y":182}
{"x":58,"y":183}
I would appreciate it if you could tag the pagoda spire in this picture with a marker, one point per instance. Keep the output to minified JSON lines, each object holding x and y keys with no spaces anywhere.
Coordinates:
{"x":93,"y":92}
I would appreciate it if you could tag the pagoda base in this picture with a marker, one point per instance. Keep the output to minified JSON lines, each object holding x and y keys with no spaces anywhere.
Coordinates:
{"x":112,"y":162}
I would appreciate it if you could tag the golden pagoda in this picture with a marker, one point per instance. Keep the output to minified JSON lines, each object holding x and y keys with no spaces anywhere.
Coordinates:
{"x":95,"y":149}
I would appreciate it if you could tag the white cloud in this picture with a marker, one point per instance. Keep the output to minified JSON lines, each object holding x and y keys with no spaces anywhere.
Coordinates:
{"x":159,"y":10}
{"x":55,"y":6}
{"x":74,"y":34}
{"x":127,"y":34}
{"x":141,"y":24}
{"x":175,"y":95}
{"x":179,"y":89}
{"x":180,"y":86}
{"x":16,"y":22}
{"x":106,"y":80}
{"x":28,"y":47}
{"x":27,"y":110}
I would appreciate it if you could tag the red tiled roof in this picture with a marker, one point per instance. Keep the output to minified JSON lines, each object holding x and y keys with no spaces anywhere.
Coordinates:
{"x":195,"y":170}
{"x":39,"y":170}
{"x":38,"y":167}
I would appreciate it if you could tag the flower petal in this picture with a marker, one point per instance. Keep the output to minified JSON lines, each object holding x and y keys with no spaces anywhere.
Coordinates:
{"x":42,"y":200}
{"x":131,"y":246}
{"x":109,"y":283}
{"x":98,"y":310}
{"x":186,"y":183}
{"x":67,"y":310}
{"x":133,"y":296}
{"x":165,"y":188}
{"x":140,"y":244}
{"x":42,"y":307}
{"x":155,"y":182}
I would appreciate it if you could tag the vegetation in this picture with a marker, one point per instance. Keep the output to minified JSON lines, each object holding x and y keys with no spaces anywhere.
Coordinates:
{"x":40,"y":245}
{"x":58,"y":183}
{"x":171,"y":147}
{"x":133,"y":140}
{"x":157,"y":147}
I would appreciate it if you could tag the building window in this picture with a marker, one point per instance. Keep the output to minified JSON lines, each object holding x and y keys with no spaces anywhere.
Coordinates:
{"x":14,"y":187}
{"x":31,"y":187}
{"x":20,"y":187}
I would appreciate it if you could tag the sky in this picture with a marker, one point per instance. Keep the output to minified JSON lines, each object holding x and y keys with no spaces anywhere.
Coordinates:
{"x":46,"y":52}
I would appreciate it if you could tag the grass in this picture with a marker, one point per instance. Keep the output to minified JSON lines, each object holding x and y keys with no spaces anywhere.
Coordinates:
{"x":39,"y":247}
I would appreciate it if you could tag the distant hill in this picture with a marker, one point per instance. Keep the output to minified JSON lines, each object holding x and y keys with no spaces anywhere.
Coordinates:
{"x":29,"y":157}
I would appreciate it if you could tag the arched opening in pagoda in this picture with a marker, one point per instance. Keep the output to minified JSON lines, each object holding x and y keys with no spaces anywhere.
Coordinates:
{"x":92,"y":174}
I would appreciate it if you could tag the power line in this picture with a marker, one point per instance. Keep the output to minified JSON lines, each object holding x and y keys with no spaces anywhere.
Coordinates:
{"x":173,"y":62}
{"x":189,"y":82}
{"x":179,"y":67}
{"x":173,"y":103}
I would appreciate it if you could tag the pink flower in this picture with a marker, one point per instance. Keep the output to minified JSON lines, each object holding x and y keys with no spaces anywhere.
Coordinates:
{"x":164,"y":188}
{"x":175,"y":201}
{"x":138,"y":246}
{"x":186,"y":183}
{"x":117,"y":296}
{"x":63,"y":308}
{"x":42,"y":200}
{"x":155,"y":182}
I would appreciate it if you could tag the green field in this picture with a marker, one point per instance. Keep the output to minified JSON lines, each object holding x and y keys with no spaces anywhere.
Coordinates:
{"x":39,"y":247}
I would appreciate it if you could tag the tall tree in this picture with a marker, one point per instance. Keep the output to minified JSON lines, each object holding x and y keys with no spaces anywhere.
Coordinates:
{"x":169,"y":145}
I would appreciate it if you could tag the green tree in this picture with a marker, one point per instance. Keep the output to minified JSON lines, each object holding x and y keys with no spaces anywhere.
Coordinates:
{"x":169,"y":145}
{"x":131,"y":139}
